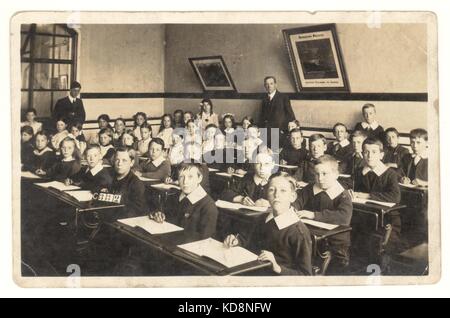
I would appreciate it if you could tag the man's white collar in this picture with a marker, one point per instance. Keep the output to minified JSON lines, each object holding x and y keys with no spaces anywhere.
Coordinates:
{"x":332,"y":192}
{"x":379,"y":169}
{"x":271,"y":95}
{"x":284,"y":220}
{"x":195,"y":195}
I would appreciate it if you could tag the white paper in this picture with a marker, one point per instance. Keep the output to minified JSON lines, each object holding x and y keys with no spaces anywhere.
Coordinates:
{"x":151,"y":226}
{"x":287,"y":166}
{"x":30,"y":175}
{"x":213,"y":170}
{"x":228,"y":175}
{"x":58,"y":185}
{"x":363,"y":201}
{"x":165,"y":186}
{"x":82,"y":196}
{"x":229,"y":257}
{"x":345,"y":176}
{"x":147,"y":179}
{"x":237,"y":206}
{"x":322,"y":225}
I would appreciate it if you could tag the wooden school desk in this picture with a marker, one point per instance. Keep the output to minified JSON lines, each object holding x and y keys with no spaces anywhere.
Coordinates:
{"x":244,"y":221}
{"x":177,"y":259}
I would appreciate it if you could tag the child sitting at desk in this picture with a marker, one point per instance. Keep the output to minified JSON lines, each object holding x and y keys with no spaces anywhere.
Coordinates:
{"x":213,"y":140}
{"x":126,"y":184}
{"x":195,"y":211}
{"x":252,"y":189}
{"x":26,"y":145}
{"x":61,"y":133}
{"x":43,"y":157}
{"x":293,"y":153}
{"x":75,"y":130}
{"x":146,"y":137}
{"x":107,"y":150}
{"x":327,"y":201}
{"x":94,"y":177}
{"x":370,"y":124}
{"x":355,"y":161}
{"x":281,"y":237}
{"x":251,"y":143}
{"x":68,"y":165}
{"x":30,"y":116}
{"x":341,"y":149}
{"x":305,"y":171}
{"x":228,"y":127}
{"x":140,"y":118}
{"x":176,"y":153}
{"x":128,"y":139}
{"x":119,"y":129}
{"x":415,"y":165}
{"x":157,"y":166}
{"x":394,"y":153}
{"x":192,"y":134}
{"x":166,"y":131}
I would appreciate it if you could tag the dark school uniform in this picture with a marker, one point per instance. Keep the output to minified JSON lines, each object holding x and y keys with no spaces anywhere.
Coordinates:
{"x":108,"y":153}
{"x":340,"y":150}
{"x":373,"y":131}
{"x":250,"y":185}
{"x":414,"y":170}
{"x":157,"y":169}
{"x":61,"y":170}
{"x":293,"y":157}
{"x":305,"y":172}
{"x":349,"y":166}
{"x":26,"y":151}
{"x":43,"y":160}
{"x":133,"y":194}
{"x":334,"y":206}
{"x":205,"y":172}
{"x":395,"y":156}
{"x":94,"y":179}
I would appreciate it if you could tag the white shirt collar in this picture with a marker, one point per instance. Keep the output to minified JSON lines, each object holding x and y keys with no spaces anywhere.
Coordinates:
{"x":379,"y":169}
{"x":284,"y":220}
{"x":39,"y":153}
{"x":195,"y":195}
{"x":332,"y":192}
{"x":343,"y":143}
{"x":423,"y":156}
{"x":157,"y":162}
{"x":68,"y":160}
{"x":72,"y":99}
{"x":373,"y":125}
{"x":271,"y":95}
{"x":96,"y":169}
{"x":259,"y":181}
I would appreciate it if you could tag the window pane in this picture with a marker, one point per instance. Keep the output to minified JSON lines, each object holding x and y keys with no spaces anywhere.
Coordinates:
{"x":25,"y":74}
{"x":25,"y":49}
{"x":61,"y":75}
{"x":63,"y":48}
{"x":24,"y":101}
{"x":42,"y":76}
{"x":42,"y":103}
{"x":43,"y":46}
{"x":45,"y":28}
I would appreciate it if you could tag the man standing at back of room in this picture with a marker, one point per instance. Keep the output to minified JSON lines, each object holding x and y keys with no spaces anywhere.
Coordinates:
{"x":70,"y":107}
{"x":276,"y":112}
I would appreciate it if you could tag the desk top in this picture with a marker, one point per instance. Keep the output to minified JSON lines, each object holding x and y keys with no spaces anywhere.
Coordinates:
{"x":167,"y":243}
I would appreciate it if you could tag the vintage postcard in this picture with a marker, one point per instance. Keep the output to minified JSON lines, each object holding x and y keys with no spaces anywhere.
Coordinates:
{"x":219,"y":149}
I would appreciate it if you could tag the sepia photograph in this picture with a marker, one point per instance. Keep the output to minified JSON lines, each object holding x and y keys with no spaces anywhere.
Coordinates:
{"x":141,"y":158}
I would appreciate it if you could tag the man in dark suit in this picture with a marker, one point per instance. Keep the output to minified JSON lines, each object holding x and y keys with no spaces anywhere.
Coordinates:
{"x":276,"y":111}
{"x":70,"y":107}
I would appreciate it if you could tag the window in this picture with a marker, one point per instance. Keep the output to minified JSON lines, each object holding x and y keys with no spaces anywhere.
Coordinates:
{"x":48,"y":60}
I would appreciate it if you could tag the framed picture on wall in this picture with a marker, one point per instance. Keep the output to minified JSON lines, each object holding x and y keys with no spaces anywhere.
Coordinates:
{"x":212,"y":73}
{"x":316,"y":58}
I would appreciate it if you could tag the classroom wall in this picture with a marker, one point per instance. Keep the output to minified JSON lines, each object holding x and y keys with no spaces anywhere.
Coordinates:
{"x":121,"y":59}
{"x":391,"y":59}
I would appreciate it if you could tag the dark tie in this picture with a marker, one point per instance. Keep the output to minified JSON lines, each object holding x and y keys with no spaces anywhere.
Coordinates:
{"x":371,"y":177}
{"x":259,"y":193}
{"x":337,"y":147}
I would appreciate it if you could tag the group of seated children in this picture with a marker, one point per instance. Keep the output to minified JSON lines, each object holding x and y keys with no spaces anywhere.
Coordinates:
{"x":373,"y":160}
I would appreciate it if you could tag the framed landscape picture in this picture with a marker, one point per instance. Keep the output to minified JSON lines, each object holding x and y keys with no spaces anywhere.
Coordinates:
{"x":212,"y":73}
{"x":316,"y":58}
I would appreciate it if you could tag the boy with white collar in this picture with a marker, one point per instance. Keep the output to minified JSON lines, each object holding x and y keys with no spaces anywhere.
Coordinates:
{"x":195,"y":211}
{"x":317,"y":147}
{"x":415,"y":165}
{"x":94,"y":177}
{"x":282,"y":225}
{"x":156,"y":167}
{"x":43,"y":157}
{"x":341,"y":147}
{"x":252,"y":189}
{"x":370,"y":124}
{"x":327,"y":201}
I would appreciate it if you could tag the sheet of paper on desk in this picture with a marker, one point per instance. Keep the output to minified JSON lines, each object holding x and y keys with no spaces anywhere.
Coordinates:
{"x":363,"y":201}
{"x":225,"y":174}
{"x":322,"y":225}
{"x":58,"y":185}
{"x":345,"y":176}
{"x":165,"y":186}
{"x":82,"y":196}
{"x":30,"y":175}
{"x":213,"y":170}
{"x":151,"y":226}
{"x":147,"y":179}
{"x":237,"y":206}
{"x":229,"y":257}
{"x":287,"y":166}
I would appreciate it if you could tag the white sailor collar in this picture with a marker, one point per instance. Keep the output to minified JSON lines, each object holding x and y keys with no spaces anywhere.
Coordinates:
{"x":284,"y":220}
{"x":157,"y":162}
{"x":259,"y":181}
{"x":379,"y":170}
{"x":195,"y":195}
{"x":40,"y":153}
{"x":96,"y":169}
{"x":373,"y":125}
{"x":343,"y":143}
{"x":332,"y":192}
{"x":106,"y":147}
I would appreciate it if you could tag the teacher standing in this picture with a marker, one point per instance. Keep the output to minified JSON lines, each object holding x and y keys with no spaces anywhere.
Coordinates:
{"x":276,"y":111}
{"x":71,"y":107}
